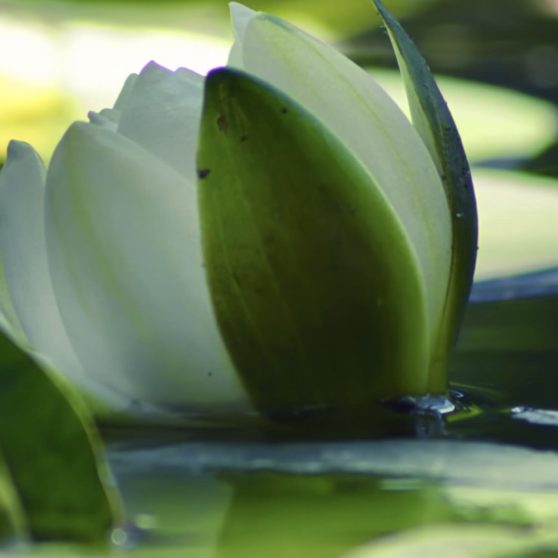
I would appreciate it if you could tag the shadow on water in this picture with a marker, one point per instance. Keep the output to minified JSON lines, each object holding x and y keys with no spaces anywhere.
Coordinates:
{"x":507,"y":360}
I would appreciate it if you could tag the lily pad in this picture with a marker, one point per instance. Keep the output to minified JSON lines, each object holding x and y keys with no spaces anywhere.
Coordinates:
{"x":494,"y":122}
{"x":517,"y":223}
{"x":448,"y":462}
{"x":458,"y":541}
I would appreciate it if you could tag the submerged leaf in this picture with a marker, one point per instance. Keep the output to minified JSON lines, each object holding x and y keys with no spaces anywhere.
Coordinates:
{"x":314,"y":284}
{"x":433,"y":121}
{"x":52,"y":453}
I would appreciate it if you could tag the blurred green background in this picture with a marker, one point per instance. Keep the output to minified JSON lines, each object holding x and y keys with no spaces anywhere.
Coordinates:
{"x":497,"y":63}
{"x":62,"y":58}
{"x":498,"y":60}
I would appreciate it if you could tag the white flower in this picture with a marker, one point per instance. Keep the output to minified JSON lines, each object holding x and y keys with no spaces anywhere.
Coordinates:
{"x":104,"y":269}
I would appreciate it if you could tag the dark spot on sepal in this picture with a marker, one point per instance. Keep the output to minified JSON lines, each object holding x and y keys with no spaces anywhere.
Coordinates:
{"x":243,"y":138}
{"x":222,"y":123}
{"x":203,"y":173}
{"x":284,"y":110}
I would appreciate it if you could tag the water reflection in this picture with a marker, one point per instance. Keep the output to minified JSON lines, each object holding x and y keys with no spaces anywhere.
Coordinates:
{"x":410,"y":488}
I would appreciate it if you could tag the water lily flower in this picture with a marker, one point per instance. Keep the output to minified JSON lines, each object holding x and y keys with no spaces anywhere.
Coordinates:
{"x":276,"y":236}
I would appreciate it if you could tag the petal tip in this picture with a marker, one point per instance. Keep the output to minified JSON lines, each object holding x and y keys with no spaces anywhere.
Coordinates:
{"x":21,"y":151}
{"x":107,"y":118}
{"x":18,"y":149}
{"x":240,"y":17}
{"x":153,"y":67}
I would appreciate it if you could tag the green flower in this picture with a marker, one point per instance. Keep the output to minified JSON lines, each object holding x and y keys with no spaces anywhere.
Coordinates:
{"x":276,"y":236}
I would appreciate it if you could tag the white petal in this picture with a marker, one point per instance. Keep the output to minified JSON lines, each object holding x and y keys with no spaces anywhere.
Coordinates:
{"x":124,"y":246}
{"x":241,"y":17}
{"x":9,"y":320}
{"x":5,"y":326}
{"x":27,"y":278}
{"x":22,"y":244}
{"x":355,"y":108}
{"x":126,"y":92}
{"x":108,"y":118}
{"x":235,"y":56}
{"x":111,"y":117}
{"x":162,"y":112}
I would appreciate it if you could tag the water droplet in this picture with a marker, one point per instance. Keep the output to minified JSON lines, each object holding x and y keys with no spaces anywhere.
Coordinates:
{"x":119,"y":537}
{"x":439,"y":404}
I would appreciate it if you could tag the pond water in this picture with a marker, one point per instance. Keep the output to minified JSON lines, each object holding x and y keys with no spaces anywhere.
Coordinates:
{"x":481,"y":480}
{"x":472,"y":475}
{"x":324,"y":500}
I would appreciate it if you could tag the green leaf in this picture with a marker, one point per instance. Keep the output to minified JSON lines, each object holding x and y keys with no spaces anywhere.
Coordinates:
{"x":432,"y":119}
{"x":52,"y":452}
{"x":313,"y":281}
{"x":12,"y":523}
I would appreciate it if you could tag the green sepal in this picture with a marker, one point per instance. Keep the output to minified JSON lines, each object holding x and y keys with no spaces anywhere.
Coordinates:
{"x":52,"y":453}
{"x":433,"y":121}
{"x":313,"y":281}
